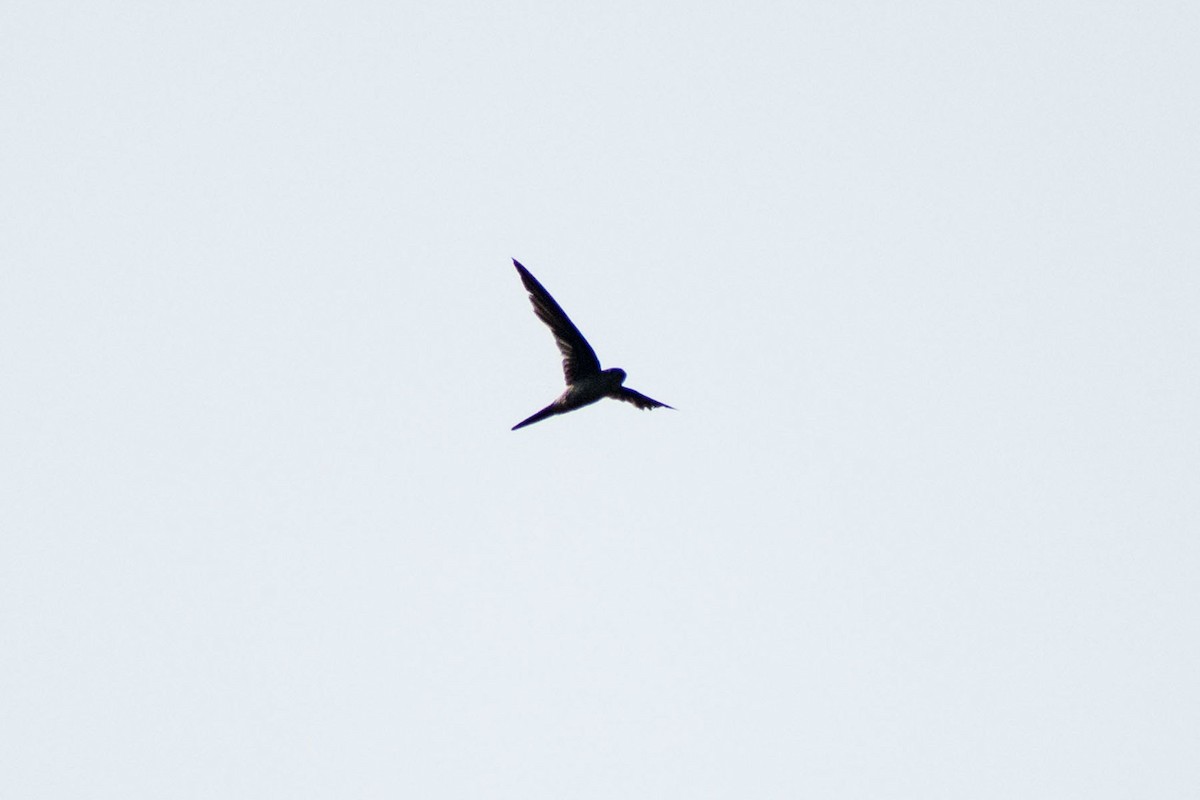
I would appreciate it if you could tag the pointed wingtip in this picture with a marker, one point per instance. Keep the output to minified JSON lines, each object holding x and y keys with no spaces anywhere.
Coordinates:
{"x":518,"y":264}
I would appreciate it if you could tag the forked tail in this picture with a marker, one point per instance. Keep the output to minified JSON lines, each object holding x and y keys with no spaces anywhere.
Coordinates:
{"x":548,"y":411}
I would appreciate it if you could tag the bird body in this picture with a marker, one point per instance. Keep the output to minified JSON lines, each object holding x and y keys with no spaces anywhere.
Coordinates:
{"x":586,"y":382}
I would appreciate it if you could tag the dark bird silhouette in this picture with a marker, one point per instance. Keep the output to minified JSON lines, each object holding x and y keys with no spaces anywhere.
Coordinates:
{"x":586,"y":382}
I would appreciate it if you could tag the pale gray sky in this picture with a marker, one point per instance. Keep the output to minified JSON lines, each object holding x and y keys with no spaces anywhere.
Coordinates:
{"x":922,"y":280}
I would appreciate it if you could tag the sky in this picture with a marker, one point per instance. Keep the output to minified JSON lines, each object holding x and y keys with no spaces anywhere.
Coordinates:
{"x":921,"y":281}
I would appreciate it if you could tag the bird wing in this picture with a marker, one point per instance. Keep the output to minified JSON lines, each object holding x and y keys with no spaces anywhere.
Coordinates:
{"x":638,"y":399}
{"x":579,"y":359}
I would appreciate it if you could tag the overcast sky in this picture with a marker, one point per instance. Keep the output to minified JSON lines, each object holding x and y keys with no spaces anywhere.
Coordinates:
{"x":922,"y":280}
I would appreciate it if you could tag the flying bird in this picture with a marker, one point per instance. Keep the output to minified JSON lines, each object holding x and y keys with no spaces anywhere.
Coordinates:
{"x":586,"y":382}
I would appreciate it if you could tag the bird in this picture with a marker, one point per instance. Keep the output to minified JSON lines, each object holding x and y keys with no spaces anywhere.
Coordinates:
{"x":586,"y":382}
